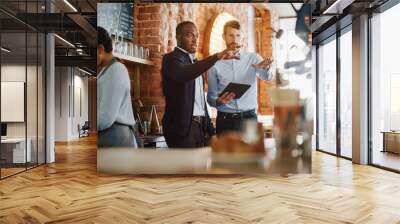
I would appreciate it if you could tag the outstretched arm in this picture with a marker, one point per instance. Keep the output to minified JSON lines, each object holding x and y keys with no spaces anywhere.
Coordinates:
{"x":262,"y":68}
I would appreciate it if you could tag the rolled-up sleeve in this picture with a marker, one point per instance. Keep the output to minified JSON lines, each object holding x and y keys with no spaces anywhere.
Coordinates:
{"x":212,"y":93}
{"x":263,"y":73}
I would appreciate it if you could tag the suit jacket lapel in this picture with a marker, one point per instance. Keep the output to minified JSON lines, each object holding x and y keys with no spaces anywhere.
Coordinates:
{"x":184,"y":55}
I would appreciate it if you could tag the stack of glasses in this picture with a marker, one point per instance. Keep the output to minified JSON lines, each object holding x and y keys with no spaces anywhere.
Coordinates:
{"x":120,"y":46}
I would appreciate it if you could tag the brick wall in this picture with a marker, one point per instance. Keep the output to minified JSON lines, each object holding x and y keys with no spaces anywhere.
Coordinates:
{"x":264,"y":47}
{"x":154,"y":28}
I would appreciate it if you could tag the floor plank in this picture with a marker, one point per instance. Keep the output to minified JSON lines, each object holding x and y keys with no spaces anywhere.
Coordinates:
{"x":71,"y":191}
{"x":387,"y":159}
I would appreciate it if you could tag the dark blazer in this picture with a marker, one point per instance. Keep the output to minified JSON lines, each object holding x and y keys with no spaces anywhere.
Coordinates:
{"x":178,"y":75}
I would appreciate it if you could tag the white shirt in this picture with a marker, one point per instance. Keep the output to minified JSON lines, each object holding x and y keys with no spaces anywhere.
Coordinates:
{"x":199,"y":100}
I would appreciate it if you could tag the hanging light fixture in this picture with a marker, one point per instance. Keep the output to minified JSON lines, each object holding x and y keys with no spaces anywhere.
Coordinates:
{"x":65,"y":41}
{"x":5,"y":50}
{"x":70,"y":5}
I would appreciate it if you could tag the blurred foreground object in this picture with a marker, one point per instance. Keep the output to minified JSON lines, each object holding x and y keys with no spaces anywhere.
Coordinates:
{"x":153,"y":161}
{"x":278,"y":34}
{"x":279,"y":80}
{"x":303,"y":21}
{"x":302,"y":30}
{"x":240,"y":147}
{"x":291,"y":132}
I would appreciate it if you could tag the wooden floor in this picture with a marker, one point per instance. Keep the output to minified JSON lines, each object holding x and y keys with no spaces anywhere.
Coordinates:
{"x":5,"y":172}
{"x":387,"y":159}
{"x":71,"y":191}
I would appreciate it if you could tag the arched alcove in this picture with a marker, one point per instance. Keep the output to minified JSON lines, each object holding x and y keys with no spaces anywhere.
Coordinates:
{"x":213,"y":41}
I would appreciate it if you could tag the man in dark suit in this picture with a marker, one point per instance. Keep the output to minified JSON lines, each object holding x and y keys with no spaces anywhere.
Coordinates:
{"x":186,"y":121}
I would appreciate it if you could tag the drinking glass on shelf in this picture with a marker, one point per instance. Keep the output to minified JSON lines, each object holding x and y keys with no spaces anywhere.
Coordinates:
{"x":144,"y":53}
{"x":123,"y":48}
{"x":135,"y":54}
{"x":116,"y":48}
{"x":141,"y":52}
{"x":130,"y":51}
{"x":114,"y":43}
{"x":126,"y":47}
{"x":146,"y":128}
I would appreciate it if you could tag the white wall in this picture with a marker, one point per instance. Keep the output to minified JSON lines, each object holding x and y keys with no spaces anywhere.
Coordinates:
{"x":70,"y":84}
{"x":80,"y":111}
{"x":16,"y":73}
{"x":33,"y":126}
{"x":61,"y":103}
{"x":251,"y":40}
{"x":11,"y":73}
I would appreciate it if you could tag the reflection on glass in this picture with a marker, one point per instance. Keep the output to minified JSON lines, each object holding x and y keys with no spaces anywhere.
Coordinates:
{"x":293,"y":49}
{"x":327,"y":97}
{"x":385,"y":84}
{"x":346,"y":94}
{"x":22,"y":92}
{"x":14,"y":148}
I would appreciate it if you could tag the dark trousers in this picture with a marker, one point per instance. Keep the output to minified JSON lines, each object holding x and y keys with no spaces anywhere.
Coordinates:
{"x":233,"y":122}
{"x":195,"y":139}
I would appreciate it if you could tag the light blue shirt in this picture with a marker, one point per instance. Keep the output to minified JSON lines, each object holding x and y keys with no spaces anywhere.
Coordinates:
{"x":238,"y":71}
{"x":199,"y":100}
{"x":114,"y":97}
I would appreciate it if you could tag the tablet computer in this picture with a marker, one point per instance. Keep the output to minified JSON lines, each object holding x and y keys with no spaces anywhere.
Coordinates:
{"x":237,"y":88}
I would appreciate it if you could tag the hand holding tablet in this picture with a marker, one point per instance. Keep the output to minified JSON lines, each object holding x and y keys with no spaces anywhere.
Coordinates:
{"x":226,"y":98}
{"x":232,"y":91}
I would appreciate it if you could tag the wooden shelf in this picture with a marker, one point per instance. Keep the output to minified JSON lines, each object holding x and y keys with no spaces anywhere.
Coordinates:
{"x":135,"y":60}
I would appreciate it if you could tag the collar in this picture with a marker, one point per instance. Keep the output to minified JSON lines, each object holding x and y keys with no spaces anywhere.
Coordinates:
{"x":192,"y":56}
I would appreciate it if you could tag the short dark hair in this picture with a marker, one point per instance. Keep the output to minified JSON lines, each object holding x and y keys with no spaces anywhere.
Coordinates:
{"x":180,"y":26}
{"x":232,"y":24}
{"x":103,"y":38}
